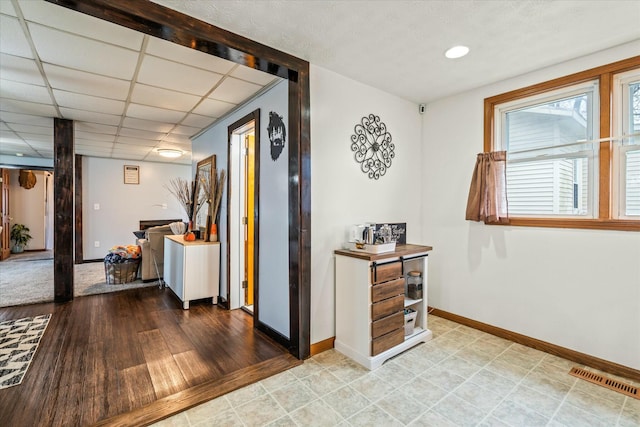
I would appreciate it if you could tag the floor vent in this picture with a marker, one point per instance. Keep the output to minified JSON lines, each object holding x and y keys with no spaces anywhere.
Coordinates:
{"x":614,"y":385}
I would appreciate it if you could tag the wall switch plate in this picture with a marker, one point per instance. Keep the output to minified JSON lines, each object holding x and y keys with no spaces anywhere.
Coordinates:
{"x":96,"y":206}
{"x":96,"y":244}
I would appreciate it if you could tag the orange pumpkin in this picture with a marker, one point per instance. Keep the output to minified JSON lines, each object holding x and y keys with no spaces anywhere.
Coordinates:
{"x":189,"y":236}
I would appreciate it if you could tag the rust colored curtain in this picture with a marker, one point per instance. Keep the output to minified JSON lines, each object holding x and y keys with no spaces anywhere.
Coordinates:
{"x":488,"y":191}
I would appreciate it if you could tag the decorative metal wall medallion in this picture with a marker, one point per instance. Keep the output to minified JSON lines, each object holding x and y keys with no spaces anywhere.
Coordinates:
{"x":277,"y":134}
{"x":372,"y":146}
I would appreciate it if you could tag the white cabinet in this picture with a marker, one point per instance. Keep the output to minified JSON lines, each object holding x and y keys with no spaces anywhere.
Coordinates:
{"x":371,"y":297}
{"x":192,"y":269}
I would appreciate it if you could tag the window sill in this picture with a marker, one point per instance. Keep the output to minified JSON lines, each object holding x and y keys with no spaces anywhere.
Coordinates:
{"x":593,"y":224}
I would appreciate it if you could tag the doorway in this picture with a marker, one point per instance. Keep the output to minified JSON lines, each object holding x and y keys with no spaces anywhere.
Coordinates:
{"x":243,"y":205}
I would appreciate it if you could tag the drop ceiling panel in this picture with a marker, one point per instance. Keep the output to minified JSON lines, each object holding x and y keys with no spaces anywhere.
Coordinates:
{"x":20,"y":69}
{"x":234,"y":90}
{"x":22,"y":107}
{"x":178,"y":53}
{"x":27,"y":119}
{"x":41,"y":130}
{"x":78,"y":23}
{"x":143,"y":134}
{"x":9,"y":136}
{"x":152,"y":113}
{"x":68,"y":50}
{"x":25,"y":92}
{"x":89,"y":103}
{"x":254,"y":76}
{"x":34,"y":137}
{"x":185,"y":130}
{"x":12,"y":39}
{"x":150,"y":125}
{"x":163,"y":98}
{"x":176,"y":138}
{"x":213,"y":107}
{"x":99,"y":138}
{"x":136,"y":141}
{"x":126,"y":148}
{"x":41,"y":145}
{"x":86,"y":83}
{"x":97,"y":145}
{"x":179,"y":77}
{"x":89,"y":116}
{"x":197,"y":120}
{"x":7,"y":8}
{"x":95,"y":128}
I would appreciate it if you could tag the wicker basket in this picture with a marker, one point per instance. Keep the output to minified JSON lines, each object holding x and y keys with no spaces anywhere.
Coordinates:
{"x":124,"y":272}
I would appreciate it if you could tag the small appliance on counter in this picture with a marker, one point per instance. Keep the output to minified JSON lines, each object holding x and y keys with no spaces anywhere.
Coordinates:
{"x":371,"y":238}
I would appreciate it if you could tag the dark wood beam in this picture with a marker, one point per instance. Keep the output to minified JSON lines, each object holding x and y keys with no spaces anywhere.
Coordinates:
{"x":79,"y":252}
{"x":63,"y":222}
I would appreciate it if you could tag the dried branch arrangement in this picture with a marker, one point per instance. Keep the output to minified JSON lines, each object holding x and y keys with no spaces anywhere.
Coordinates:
{"x":217,"y":188}
{"x":182,"y":190}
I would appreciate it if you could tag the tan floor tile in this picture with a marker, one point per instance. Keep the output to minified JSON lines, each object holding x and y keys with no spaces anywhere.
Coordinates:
{"x":329,"y":358}
{"x":460,"y":366}
{"x":539,"y":402}
{"x":528,"y":351}
{"x":260,"y":411}
{"x":432,"y":419}
{"x":426,"y":392}
{"x":431,"y":352}
{"x":523,"y":360}
{"x":555,"y":372}
{"x":372,"y":387}
{"x":178,"y":420}
{"x":278,"y":381}
{"x":547,"y":386}
{"x":459,"y":336}
{"x":317,"y":413}
{"x":293,"y":396}
{"x":474,"y":355}
{"x":207,"y":410}
{"x":459,"y":412}
{"x":413,"y":361}
{"x":346,"y":401}
{"x":285,"y":421}
{"x":560,"y":362}
{"x":243,"y":395}
{"x":448,"y":344}
{"x":348,"y":370}
{"x":309,"y":367}
{"x":497,"y":341}
{"x":488,"y":347}
{"x":493,"y":422}
{"x":394,"y":374}
{"x":494,"y":382}
{"x":401,"y":405}
{"x":472,"y":332}
{"x":478,"y":396}
{"x":442,"y":321}
{"x":605,"y":409}
{"x":599,"y":391}
{"x":507,"y":370}
{"x":373,"y":416}
{"x":323,"y":382}
{"x":570,"y":416}
{"x":443,"y":378}
{"x":630,"y":415}
{"x":518,"y":415}
{"x":227,"y":418}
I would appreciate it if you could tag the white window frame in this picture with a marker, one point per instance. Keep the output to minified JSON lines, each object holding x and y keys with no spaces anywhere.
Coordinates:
{"x":588,"y":149}
{"x":623,"y":142}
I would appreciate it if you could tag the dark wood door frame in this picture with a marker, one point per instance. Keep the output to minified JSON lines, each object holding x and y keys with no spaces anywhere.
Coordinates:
{"x":155,"y":20}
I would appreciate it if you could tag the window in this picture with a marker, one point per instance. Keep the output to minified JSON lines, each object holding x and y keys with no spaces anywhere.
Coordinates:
{"x":573,"y":148}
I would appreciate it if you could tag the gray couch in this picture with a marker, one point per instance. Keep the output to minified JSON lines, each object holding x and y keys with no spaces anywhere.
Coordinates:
{"x":153,"y":249}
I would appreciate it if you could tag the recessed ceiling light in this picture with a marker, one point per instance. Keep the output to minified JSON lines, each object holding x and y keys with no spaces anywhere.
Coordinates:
{"x":456,"y":52}
{"x":19,"y":154}
{"x":168,"y":152}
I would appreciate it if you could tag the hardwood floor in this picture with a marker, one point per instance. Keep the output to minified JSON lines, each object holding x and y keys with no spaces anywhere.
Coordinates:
{"x":134,"y":357}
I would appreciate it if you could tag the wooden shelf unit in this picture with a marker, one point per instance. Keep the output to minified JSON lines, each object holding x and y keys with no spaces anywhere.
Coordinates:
{"x":371,"y":295}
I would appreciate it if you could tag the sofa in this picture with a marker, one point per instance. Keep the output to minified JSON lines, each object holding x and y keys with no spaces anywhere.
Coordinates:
{"x":152,"y":246}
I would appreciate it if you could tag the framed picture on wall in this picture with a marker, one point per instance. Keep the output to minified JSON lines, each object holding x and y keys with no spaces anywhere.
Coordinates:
{"x":131,"y":174}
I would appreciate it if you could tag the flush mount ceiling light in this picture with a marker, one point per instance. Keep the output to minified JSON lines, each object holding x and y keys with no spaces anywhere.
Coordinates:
{"x":456,"y":52}
{"x":168,"y":152}
{"x":19,"y":154}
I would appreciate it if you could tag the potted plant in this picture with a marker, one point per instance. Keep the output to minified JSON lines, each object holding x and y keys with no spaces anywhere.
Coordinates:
{"x":20,"y":236}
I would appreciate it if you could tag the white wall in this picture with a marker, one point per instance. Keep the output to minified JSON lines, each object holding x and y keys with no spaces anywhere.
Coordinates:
{"x":122,"y":205}
{"x":579,"y":289}
{"x":28,"y":207}
{"x":274,"y":230}
{"x":341,"y":195}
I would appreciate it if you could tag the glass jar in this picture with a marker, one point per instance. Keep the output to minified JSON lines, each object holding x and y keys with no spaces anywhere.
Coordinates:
{"x":414,"y":285}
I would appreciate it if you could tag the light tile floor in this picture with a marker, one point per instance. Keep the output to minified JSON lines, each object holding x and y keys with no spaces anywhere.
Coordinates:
{"x":463,"y":377}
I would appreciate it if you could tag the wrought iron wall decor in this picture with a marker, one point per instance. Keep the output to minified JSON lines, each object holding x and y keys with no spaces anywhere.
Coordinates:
{"x":372,"y":146}
{"x":277,"y":134}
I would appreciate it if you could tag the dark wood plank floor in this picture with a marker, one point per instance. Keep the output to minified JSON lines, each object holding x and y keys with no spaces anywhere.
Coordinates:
{"x":134,"y":357}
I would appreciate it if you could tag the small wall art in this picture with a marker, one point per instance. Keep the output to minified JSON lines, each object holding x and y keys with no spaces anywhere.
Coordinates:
{"x":277,"y":134}
{"x":372,"y":146}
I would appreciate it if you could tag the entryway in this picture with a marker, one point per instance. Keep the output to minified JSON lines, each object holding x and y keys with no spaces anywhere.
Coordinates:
{"x":243,"y":213}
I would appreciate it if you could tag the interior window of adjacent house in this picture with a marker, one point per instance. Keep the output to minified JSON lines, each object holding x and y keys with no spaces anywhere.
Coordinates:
{"x":626,"y":114}
{"x":552,"y":146}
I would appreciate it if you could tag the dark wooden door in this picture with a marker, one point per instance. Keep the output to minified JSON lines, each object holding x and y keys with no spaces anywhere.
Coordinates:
{"x":4,"y":213}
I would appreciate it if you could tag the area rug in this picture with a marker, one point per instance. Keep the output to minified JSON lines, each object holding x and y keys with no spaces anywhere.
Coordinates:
{"x":19,"y":340}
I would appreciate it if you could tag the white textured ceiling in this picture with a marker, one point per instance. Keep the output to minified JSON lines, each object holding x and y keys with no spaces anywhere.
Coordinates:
{"x":398,"y":45}
{"x":129,"y":94}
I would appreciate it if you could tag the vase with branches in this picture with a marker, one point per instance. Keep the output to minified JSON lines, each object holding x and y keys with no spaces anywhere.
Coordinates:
{"x":212,"y":185}
{"x":184,"y":192}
